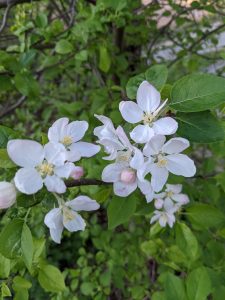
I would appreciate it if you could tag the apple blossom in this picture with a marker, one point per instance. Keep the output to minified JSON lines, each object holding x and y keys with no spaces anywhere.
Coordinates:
{"x":7,"y":194}
{"x":147,"y":110}
{"x":165,"y":158}
{"x":69,"y":135}
{"x":166,"y":216}
{"x":66,"y":216}
{"x":40,"y":165}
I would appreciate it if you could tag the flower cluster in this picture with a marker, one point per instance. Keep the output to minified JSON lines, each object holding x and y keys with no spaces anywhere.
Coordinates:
{"x":150,"y":155}
{"x":50,"y":165}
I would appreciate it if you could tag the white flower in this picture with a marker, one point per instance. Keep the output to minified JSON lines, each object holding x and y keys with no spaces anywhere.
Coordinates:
{"x":126,"y":173}
{"x":165,"y":158}
{"x":7,"y":194}
{"x":39,"y":165}
{"x":166,"y":216}
{"x":66,"y":216}
{"x":69,"y":135}
{"x":146,"y":110}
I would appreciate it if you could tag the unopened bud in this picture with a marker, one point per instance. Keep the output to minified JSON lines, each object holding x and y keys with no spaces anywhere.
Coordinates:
{"x":158,"y":203}
{"x":77,"y":173}
{"x":128,"y":176}
{"x":7,"y":194}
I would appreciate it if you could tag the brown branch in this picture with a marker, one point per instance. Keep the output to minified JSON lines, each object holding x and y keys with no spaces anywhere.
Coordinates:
{"x":5,"y":3}
{"x":12,"y":107}
{"x":80,"y":182}
{"x":5,"y":17}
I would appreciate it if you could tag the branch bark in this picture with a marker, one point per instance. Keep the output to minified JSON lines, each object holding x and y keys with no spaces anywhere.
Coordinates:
{"x":80,"y":182}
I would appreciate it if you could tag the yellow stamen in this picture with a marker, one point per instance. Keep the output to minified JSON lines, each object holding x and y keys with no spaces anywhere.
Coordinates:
{"x":67,"y":140}
{"x":45,"y":169}
{"x":67,"y":214}
{"x":162,"y":162}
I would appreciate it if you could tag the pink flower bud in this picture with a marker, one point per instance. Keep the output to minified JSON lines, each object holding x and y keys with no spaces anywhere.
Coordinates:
{"x":77,"y":173}
{"x":7,"y":194}
{"x":128,"y":176}
{"x":158,"y":203}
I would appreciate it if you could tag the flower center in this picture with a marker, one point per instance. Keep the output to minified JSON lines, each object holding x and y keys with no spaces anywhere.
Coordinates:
{"x":67,"y":214}
{"x":67,"y":140}
{"x":169,"y":194}
{"x":45,"y":169}
{"x":123,"y":156}
{"x":148,"y":118}
{"x":162,"y":162}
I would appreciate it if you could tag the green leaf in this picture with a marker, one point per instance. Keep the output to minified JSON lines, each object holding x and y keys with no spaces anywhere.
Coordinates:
{"x":5,"y":83}
{"x":41,"y":20}
{"x":63,"y":47}
{"x":197,"y":92}
{"x":174,"y":287}
{"x":187,"y":242}
{"x":5,"y":161}
{"x":133,"y":84}
{"x":4,"y":267}
{"x":120,"y":210}
{"x":27,"y":246}
{"x":26,"y":84}
{"x":200,"y":127}
{"x":198,"y":284}
{"x":51,"y":279}
{"x":157,"y":76}
{"x":205,"y":215}
{"x":6,"y":134}
{"x":104,"y":59}
{"x":10,"y":237}
{"x":87,"y":288}
{"x":21,"y":287}
{"x":5,"y":291}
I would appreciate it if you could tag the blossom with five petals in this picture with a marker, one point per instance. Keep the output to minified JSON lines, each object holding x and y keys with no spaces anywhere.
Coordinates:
{"x":147,"y":110}
{"x":66,"y":216}
{"x":39,"y":165}
{"x":69,"y":135}
{"x":165,"y":158}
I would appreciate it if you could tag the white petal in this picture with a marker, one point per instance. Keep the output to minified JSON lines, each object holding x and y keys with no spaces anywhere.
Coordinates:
{"x":155,"y":145}
{"x":53,"y":220}
{"x":159,"y":177}
{"x":165,"y":126}
{"x":83,"y":203}
{"x":130,"y":111}
{"x":180,"y":164}
{"x":144,"y":170}
{"x":148,"y":98}
{"x":163,"y":220}
{"x":180,"y":198}
{"x":55,"y":153}
{"x":25,"y":153}
{"x":73,"y":156}
{"x":76,"y":130}
{"x":57,"y":131}
{"x":65,"y":170}
{"x":55,"y":184}
{"x":175,"y":145}
{"x":145,"y":187}
{"x":137,"y":160}
{"x":111,"y":173}
{"x":28,"y":181}
{"x":123,"y":189}
{"x":168,"y":205}
{"x":175,"y":188}
{"x":76,"y":224}
{"x":106,"y":130}
{"x":156,"y":216}
{"x":123,"y":137}
{"x":142,"y":134}
{"x":158,"y":203}
{"x":170,"y":220}
{"x":85,"y":149}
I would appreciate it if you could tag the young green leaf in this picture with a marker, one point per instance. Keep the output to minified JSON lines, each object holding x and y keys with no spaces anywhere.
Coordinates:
{"x":27,"y":246}
{"x":51,"y":279}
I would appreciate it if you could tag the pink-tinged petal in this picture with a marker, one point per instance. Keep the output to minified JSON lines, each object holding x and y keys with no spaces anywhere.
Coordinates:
{"x":55,"y":184}
{"x":28,"y":181}
{"x":130,"y":112}
{"x":57,"y":131}
{"x":180,"y":164}
{"x":154,"y":146}
{"x":123,"y":189}
{"x":142,"y":134}
{"x":175,"y":188}
{"x":54,"y":221}
{"x":123,"y":137}
{"x":137,"y":160}
{"x":148,"y":98}
{"x":74,"y":224}
{"x":175,"y":145}
{"x":25,"y":153}
{"x":145,"y":187}
{"x":76,"y":130}
{"x":181,"y":199}
{"x":158,"y":203}
{"x":165,"y":126}
{"x":83,"y":203}
{"x":159,"y":177}
{"x":65,"y":170}
{"x":84,"y":149}
{"x":111,"y":173}
{"x":55,"y":153}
